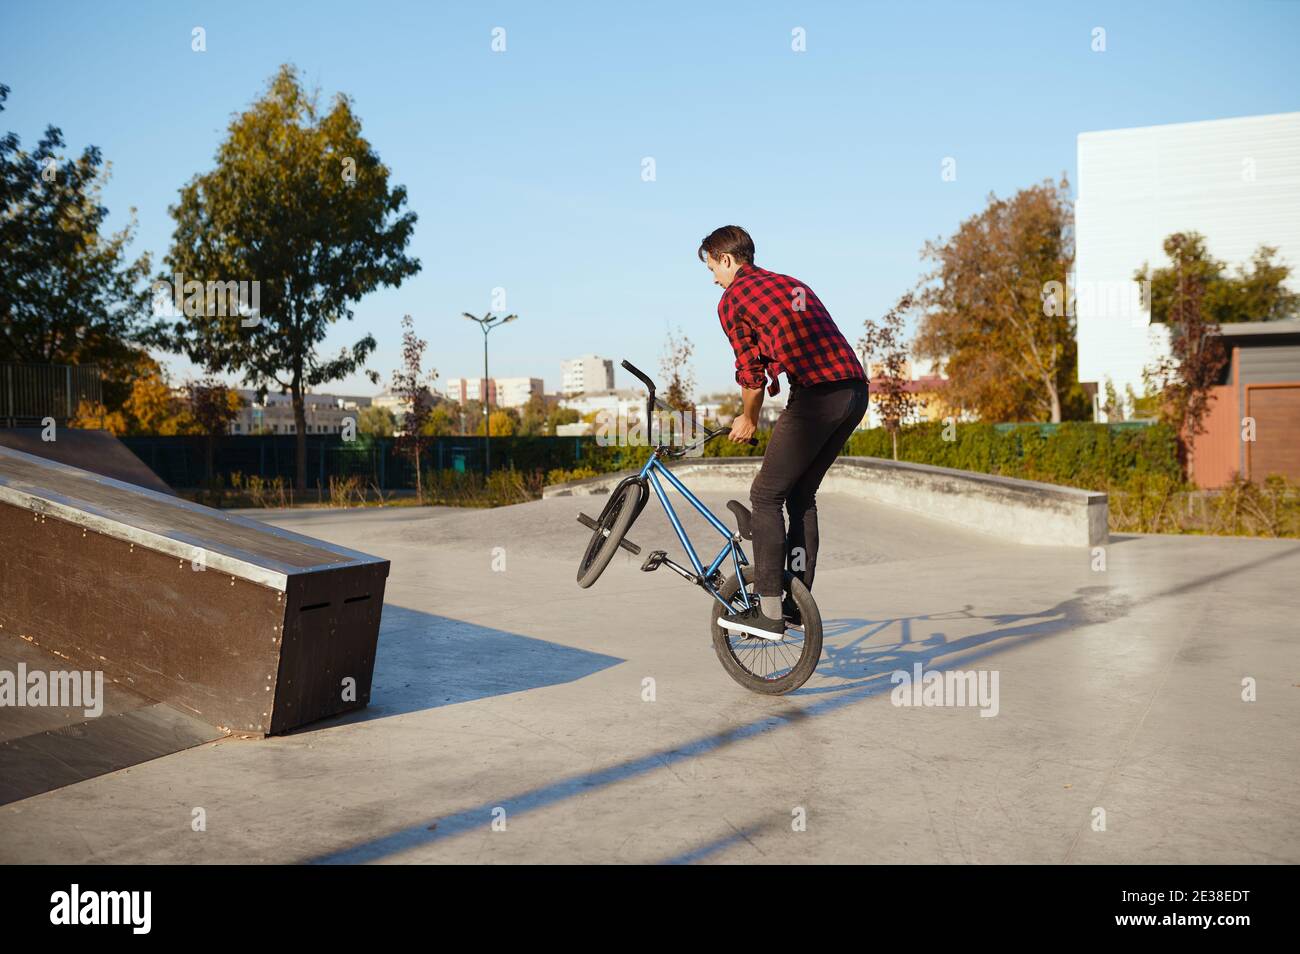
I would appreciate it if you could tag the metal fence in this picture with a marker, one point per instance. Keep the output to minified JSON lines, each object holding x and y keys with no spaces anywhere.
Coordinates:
{"x":182,"y":461}
{"x":30,"y":393}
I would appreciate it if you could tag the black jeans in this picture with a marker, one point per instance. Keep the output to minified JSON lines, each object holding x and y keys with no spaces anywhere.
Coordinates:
{"x":808,"y":436}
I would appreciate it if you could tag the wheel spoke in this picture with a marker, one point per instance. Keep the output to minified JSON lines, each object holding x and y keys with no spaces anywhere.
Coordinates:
{"x":765,"y":659}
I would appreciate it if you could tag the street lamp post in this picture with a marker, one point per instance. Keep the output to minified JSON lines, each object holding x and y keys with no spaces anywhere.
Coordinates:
{"x":487,"y":323}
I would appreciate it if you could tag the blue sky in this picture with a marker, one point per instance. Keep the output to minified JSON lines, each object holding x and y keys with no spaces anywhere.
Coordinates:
{"x":525,"y":166}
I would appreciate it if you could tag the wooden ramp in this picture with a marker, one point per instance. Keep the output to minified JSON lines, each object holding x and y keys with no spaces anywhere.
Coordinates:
{"x":96,"y":451}
{"x":47,"y":747}
{"x":236,"y":624}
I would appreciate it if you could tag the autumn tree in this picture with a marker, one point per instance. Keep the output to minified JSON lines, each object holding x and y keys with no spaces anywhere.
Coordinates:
{"x":300,"y":203}
{"x":212,"y":405}
{"x":677,"y":378}
{"x":677,"y":375}
{"x":94,"y":416}
{"x":154,"y":407}
{"x":884,"y":342}
{"x":1006,"y":353}
{"x":504,"y":422}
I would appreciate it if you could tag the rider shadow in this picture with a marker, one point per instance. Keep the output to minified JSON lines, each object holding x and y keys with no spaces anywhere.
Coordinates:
{"x":860,"y":666}
{"x":850,"y":660}
{"x":424,"y":661}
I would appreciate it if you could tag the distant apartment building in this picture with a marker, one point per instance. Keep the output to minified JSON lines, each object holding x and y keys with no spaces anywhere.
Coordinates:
{"x":506,"y":392}
{"x":325,"y":413}
{"x":622,"y":403}
{"x":516,"y":392}
{"x":626,"y":404}
{"x":1232,"y":180}
{"x":588,"y":373}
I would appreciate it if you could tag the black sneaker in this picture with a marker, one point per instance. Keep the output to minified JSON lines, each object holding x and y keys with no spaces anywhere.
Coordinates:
{"x":752,"y":622}
{"x":790,"y":610}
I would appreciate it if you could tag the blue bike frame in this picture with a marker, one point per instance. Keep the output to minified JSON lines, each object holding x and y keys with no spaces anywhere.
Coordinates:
{"x":651,"y":474}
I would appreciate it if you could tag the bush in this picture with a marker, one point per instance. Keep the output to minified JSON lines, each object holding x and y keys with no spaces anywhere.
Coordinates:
{"x":559,"y":475}
{"x":468,"y":488}
{"x":1073,"y":454}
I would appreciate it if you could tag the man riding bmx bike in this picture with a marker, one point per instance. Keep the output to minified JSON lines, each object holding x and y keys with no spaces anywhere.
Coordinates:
{"x":776,"y":324}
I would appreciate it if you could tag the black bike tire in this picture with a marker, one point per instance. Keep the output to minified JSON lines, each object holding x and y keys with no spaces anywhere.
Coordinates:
{"x":809,"y":656}
{"x":617,"y":516}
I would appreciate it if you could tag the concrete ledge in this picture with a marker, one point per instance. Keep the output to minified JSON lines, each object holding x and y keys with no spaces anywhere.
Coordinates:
{"x":1018,"y":511}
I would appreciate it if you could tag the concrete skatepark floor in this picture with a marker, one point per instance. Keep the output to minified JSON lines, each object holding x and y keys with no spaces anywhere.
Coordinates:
{"x":509,"y":694}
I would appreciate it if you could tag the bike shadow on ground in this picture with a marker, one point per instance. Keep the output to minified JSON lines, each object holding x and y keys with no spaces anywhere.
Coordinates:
{"x":424,"y":661}
{"x":867,"y":668}
{"x":852,"y":658}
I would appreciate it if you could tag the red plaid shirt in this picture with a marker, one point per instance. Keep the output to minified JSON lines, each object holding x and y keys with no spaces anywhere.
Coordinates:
{"x":775,"y":324}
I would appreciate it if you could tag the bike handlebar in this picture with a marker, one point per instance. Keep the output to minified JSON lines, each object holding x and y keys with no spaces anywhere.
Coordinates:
{"x":629,"y":366}
{"x":652,"y":402}
{"x":710,"y":435}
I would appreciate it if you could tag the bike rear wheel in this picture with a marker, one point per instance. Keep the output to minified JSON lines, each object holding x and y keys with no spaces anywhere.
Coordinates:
{"x":611,"y":527}
{"x":769,"y":666}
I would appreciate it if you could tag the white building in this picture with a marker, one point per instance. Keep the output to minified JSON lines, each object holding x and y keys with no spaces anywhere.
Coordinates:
{"x":325,"y":413}
{"x":588,"y":373}
{"x":576,"y":429}
{"x":506,"y":392}
{"x":516,"y":392}
{"x":1235,"y":181}
{"x":623,"y":403}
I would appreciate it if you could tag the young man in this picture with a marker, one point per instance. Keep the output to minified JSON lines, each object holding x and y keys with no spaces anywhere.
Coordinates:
{"x":776,"y":324}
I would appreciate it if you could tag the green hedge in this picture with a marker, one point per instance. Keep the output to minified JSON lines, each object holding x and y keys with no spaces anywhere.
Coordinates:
{"x":1074,"y":454}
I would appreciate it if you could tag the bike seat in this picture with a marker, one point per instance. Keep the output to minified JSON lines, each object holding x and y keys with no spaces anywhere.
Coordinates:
{"x":742,"y":518}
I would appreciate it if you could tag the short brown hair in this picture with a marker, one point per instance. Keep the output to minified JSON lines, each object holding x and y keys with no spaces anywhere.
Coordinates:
{"x":729,"y":240}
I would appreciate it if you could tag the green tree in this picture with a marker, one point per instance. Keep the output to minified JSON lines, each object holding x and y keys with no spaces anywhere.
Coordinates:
{"x":377,"y":421}
{"x":1257,"y":293}
{"x":561,"y":415}
{"x":532,"y":421}
{"x":444,"y":419}
{"x":299,"y":202}
{"x":410,"y":383}
{"x":471,"y":414}
{"x":68,"y":294}
{"x":1187,"y":376}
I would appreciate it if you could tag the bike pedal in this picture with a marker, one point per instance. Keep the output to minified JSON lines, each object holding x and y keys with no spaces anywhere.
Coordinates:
{"x":654,"y":561}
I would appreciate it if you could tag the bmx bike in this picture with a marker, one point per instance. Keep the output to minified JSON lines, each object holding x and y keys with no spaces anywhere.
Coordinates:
{"x":767,"y":664}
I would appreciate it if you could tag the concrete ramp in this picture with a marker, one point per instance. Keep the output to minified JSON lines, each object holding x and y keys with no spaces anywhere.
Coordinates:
{"x":96,"y":451}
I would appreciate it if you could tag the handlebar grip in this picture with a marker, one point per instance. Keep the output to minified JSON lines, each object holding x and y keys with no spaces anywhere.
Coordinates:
{"x":753,"y":441}
{"x":633,"y":369}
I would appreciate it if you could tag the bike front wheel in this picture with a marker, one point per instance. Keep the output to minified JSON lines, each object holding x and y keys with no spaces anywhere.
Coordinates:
{"x":772,"y":667}
{"x":611,"y":527}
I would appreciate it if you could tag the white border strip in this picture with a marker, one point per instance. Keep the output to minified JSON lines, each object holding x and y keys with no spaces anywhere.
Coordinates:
{"x":230,"y":560}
